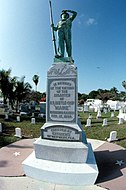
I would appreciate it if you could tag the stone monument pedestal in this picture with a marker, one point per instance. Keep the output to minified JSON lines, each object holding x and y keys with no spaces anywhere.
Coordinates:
{"x":62,"y":172}
{"x":62,"y":155}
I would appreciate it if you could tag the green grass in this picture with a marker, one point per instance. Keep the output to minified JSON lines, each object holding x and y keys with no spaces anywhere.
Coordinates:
{"x":28,"y":130}
{"x":96,"y":131}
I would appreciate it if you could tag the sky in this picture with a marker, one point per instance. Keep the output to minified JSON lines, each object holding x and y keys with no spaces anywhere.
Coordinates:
{"x":98,"y":41}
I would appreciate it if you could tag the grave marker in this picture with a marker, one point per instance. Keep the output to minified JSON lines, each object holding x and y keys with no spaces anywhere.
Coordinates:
{"x":88,"y":124}
{"x":18,"y":132}
{"x":121,"y":120}
{"x":33,"y":120}
{"x":113,"y":136}
{"x":105,"y":122}
{"x":18,"y":118}
{"x":1,"y":128}
{"x":99,"y":114}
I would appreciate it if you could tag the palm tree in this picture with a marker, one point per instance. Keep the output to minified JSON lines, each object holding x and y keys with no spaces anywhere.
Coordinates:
{"x":35,"y":80}
{"x":5,"y":83}
{"x":21,"y":90}
{"x":11,"y":91}
{"x":124,"y":84}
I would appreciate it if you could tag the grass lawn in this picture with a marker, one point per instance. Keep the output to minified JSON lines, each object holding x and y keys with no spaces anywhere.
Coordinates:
{"x":28,"y":130}
{"x":96,"y":131}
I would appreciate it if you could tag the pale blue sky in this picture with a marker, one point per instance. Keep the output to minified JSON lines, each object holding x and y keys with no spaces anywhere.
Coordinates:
{"x":98,"y":36}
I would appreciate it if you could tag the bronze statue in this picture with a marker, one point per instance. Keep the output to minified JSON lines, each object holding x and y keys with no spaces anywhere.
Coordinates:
{"x":63,"y":29}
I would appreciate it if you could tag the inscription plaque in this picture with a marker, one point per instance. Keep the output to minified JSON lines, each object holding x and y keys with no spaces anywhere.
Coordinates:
{"x":61,"y":100}
{"x":61,"y":133}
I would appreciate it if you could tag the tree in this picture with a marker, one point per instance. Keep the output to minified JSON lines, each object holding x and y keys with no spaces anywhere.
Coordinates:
{"x":5,"y":83}
{"x":33,"y":96}
{"x":35,"y":80}
{"x":21,"y":90}
{"x":124,"y":84}
{"x":11,"y":91}
{"x":93,"y":94}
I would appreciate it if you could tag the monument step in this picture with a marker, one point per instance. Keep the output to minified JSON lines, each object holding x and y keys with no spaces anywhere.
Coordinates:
{"x":60,"y":151}
{"x":62,"y":173}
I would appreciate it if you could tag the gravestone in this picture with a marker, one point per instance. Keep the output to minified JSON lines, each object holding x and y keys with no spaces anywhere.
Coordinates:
{"x":18,"y":132}
{"x":18,"y":118}
{"x":88,"y":123}
{"x":33,"y":120}
{"x":1,"y":128}
{"x":113,"y":136}
{"x":121,"y":120}
{"x":105,"y":122}
{"x":86,"y":108}
{"x":99,"y":114}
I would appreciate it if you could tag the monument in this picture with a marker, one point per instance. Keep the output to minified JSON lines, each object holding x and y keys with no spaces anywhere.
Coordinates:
{"x":62,"y":154}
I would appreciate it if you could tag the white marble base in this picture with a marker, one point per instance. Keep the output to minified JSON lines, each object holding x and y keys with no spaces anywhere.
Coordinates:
{"x":62,"y":173}
{"x":60,"y":151}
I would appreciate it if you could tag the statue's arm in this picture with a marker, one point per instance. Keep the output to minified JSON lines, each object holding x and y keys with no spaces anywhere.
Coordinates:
{"x":74,"y":14}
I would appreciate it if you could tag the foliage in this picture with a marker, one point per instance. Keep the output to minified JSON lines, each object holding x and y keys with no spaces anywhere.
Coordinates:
{"x":33,"y":96}
{"x":104,"y":95}
{"x":21,"y":90}
{"x":13,"y":89}
{"x":124,"y":84}
{"x":5,"y":83}
{"x":35,"y":80}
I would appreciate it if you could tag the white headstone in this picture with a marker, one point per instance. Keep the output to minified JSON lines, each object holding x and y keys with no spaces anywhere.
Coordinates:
{"x":18,"y":118}
{"x":121,"y":120}
{"x":18,"y":132}
{"x":88,"y":124}
{"x":112,"y":114}
{"x":0,"y":127}
{"x":113,"y":136}
{"x":86,"y":108}
{"x":99,"y":114}
{"x":105,"y":123}
{"x":33,"y":120}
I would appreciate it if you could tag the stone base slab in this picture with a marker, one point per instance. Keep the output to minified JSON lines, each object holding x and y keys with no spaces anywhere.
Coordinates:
{"x":62,"y":173}
{"x":60,"y":151}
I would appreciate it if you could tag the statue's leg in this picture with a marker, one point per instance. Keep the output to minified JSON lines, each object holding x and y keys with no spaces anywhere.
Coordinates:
{"x":68,"y":43}
{"x":61,"y":44}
